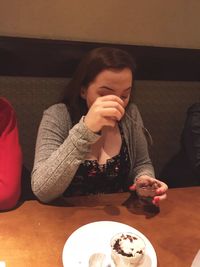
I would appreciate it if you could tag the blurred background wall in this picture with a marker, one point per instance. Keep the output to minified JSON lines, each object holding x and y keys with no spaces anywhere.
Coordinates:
{"x":172,"y":23}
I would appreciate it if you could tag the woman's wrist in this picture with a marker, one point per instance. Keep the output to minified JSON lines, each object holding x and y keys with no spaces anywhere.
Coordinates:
{"x":95,"y":132}
{"x":83,"y":120}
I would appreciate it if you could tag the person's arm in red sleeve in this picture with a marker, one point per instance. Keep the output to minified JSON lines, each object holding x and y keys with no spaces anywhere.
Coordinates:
{"x":10,"y":157}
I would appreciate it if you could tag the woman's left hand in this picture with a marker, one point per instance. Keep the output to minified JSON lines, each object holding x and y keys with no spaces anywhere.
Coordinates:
{"x":146,"y":180}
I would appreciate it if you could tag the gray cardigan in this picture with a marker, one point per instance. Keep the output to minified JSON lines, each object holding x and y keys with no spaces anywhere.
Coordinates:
{"x":61,"y":148}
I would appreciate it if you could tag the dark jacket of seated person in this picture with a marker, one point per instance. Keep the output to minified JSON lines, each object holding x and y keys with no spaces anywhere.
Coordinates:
{"x":10,"y":157}
{"x":184,"y":168}
{"x":191,"y":138}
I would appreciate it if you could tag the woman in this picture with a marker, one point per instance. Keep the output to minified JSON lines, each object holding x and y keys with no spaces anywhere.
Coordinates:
{"x":10,"y":157}
{"x":94,"y":141}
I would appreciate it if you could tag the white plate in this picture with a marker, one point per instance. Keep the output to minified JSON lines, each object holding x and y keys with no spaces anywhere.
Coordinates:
{"x":95,"y":238}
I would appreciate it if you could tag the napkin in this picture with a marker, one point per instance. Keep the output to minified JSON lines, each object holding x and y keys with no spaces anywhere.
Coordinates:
{"x":196,"y":261}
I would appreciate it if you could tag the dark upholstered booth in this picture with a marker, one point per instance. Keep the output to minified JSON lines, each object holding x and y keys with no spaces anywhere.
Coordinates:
{"x":34,"y":74}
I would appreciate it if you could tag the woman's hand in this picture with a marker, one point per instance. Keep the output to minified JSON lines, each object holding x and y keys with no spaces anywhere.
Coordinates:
{"x":146,"y":180}
{"x":105,"y":111}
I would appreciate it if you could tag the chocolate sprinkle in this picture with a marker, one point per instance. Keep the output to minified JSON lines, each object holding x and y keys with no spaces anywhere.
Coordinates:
{"x":118,"y":248}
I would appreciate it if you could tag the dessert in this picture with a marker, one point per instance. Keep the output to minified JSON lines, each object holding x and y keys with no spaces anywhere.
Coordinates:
{"x":127,"y":249}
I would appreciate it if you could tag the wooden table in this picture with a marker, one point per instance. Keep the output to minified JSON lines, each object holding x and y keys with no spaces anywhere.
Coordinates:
{"x":33,"y":235}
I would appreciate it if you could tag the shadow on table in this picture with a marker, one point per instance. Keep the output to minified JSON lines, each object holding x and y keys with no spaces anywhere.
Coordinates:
{"x":134,"y":205}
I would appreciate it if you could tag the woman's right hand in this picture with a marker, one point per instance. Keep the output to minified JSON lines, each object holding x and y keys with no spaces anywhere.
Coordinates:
{"x":105,"y":111}
{"x":161,"y":190}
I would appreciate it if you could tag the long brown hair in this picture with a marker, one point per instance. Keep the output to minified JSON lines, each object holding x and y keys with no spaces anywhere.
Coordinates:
{"x":90,"y":66}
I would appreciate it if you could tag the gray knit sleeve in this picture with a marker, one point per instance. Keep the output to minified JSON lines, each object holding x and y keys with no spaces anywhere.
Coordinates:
{"x":143,"y":164}
{"x":137,"y":138}
{"x":59,"y":151}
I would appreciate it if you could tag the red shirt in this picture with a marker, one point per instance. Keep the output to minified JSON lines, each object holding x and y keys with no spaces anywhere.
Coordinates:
{"x":10,"y":157}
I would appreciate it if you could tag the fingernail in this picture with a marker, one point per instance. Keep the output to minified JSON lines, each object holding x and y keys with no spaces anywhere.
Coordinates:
{"x":156,"y":202}
{"x":159,"y":191}
{"x":156,"y":199}
{"x":132,"y":187}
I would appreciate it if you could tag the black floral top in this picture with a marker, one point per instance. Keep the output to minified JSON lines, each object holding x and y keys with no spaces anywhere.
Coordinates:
{"x":94,"y":178}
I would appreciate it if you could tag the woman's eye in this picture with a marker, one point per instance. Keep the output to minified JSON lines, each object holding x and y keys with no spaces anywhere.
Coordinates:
{"x":102,"y":94}
{"x":124,"y":97}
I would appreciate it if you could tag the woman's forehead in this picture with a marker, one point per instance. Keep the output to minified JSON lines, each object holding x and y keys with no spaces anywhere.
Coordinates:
{"x":112,"y":75}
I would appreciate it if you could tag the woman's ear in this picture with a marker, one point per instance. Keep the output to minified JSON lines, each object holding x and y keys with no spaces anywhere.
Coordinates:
{"x":83,"y":92}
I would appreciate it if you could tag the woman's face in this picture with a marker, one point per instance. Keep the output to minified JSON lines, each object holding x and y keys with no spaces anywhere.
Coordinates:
{"x":109,"y":82}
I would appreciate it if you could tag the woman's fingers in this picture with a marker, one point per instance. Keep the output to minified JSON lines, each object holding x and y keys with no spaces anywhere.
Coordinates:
{"x":156,"y":200}
{"x":111,"y":113}
{"x":114,"y":105}
{"x":105,"y":111}
{"x":161,"y":190}
{"x":112,"y":98}
{"x":132,"y":187}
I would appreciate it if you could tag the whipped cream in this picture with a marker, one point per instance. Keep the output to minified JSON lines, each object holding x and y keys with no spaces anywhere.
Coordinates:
{"x":130,"y":245}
